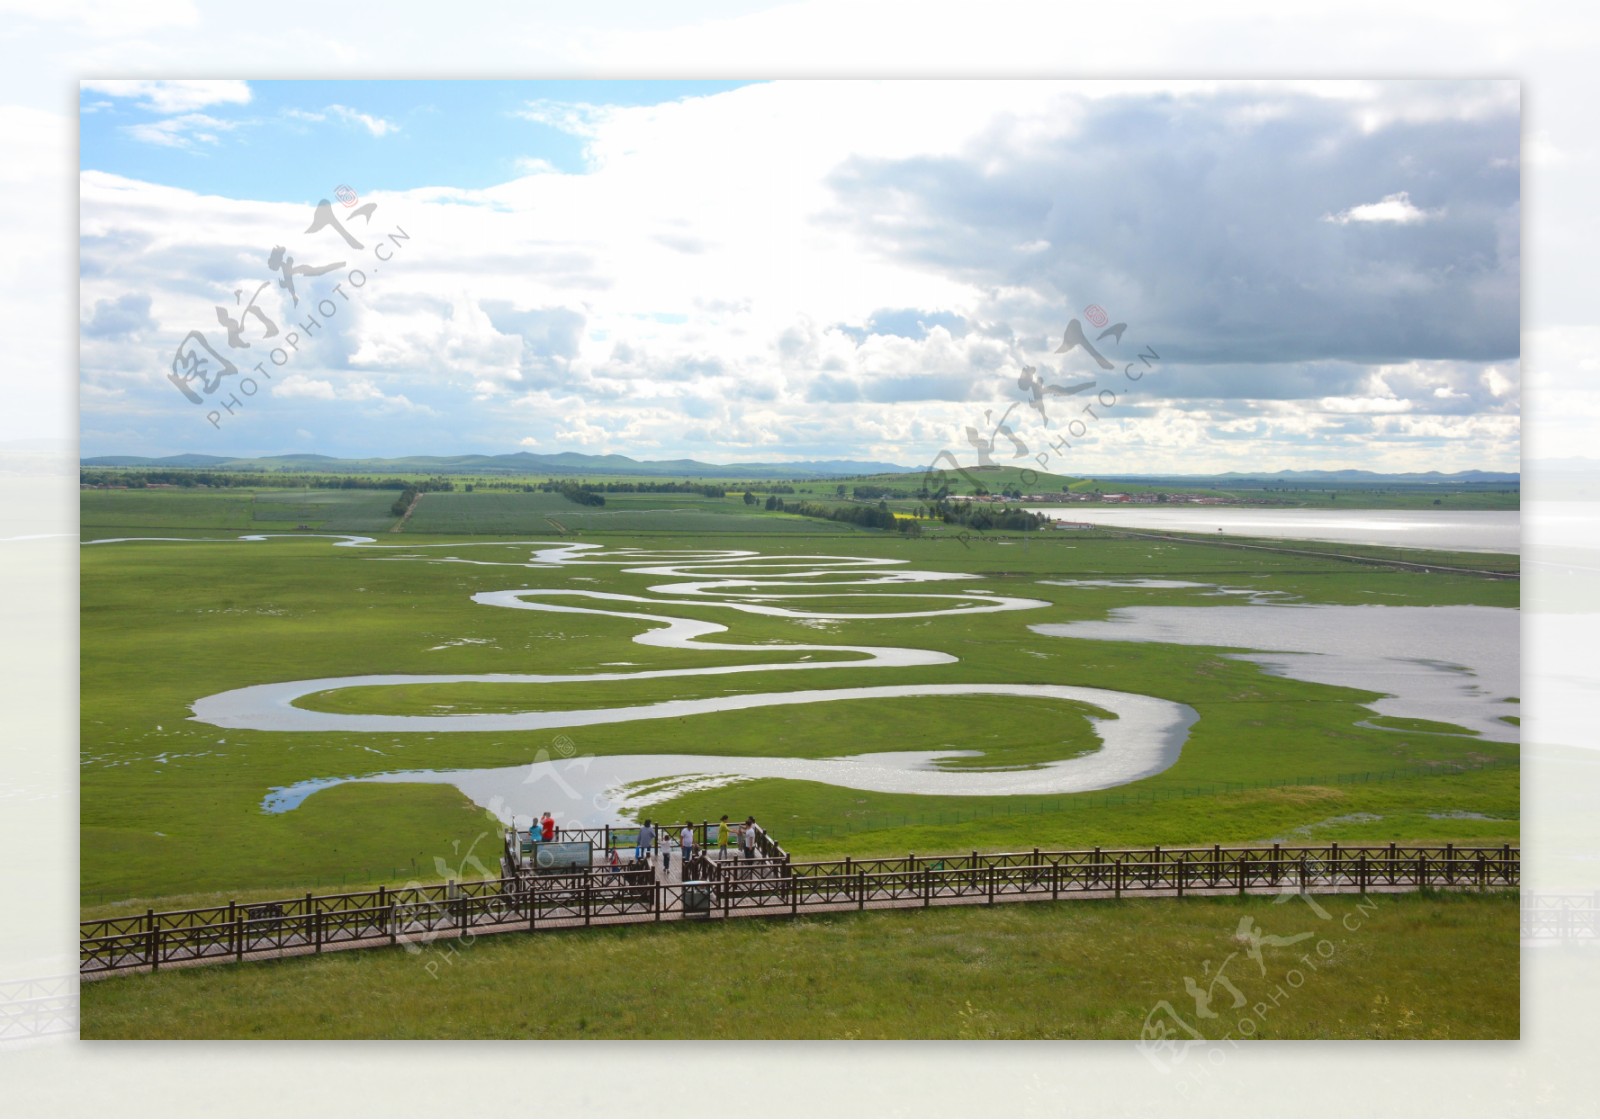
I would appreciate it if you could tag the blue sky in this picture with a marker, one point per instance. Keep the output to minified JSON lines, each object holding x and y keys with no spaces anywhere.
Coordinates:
{"x":1329,"y":272}
{"x":292,"y":137}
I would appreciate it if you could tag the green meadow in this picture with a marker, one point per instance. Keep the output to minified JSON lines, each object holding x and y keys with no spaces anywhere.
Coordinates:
{"x":172,"y":807}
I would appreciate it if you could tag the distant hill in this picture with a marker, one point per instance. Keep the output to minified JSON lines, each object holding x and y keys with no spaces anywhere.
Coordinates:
{"x":518,"y":463}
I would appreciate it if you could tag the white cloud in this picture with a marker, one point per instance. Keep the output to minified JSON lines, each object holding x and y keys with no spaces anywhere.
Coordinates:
{"x":1498,"y":383}
{"x":181,"y":96}
{"x":1360,"y":405}
{"x":377,"y":126}
{"x":180,"y":132}
{"x":1395,"y":208}
{"x":706,"y":298}
{"x":573,"y":118}
{"x":298,"y":385}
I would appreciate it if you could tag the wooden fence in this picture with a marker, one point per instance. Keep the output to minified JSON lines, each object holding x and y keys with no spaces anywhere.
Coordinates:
{"x":415,"y":916}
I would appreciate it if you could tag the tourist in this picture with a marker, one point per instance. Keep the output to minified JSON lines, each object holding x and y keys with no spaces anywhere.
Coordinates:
{"x":686,"y":842}
{"x":647,"y":840}
{"x":747,"y":838}
{"x":548,"y":826}
{"x":722,"y":837}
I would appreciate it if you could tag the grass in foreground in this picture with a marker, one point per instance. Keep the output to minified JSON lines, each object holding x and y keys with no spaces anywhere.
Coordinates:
{"x":1391,"y":966}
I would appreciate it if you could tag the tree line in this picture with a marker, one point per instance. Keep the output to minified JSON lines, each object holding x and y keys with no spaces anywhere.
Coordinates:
{"x":139,"y":479}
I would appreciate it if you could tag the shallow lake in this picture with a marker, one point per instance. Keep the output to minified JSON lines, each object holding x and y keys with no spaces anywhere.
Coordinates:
{"x":1463,"y":530}
{"x":1453,"y":665}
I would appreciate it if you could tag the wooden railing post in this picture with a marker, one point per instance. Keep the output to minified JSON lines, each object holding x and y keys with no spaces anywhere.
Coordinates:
{"x":1116,"y":878}
{"x":1055,"y":882}
{"x":1183,"y":866}
{"x":991,"y":884}
{"x":155,"y":947}
{"x":861,"y":890}
{"x":588,"y":898}
{"x":1277,"y":863}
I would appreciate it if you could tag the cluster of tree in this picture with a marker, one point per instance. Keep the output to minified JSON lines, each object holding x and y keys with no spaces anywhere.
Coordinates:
{"x":403,"y":502}
{"x":976,"y":515}
{"x":573,"y":492}
{"x":868,"y":517}
{"x":869,"y":492}
{"x":139,"y":479}
{"x":704,"y":488}
{"x":513,"y":487}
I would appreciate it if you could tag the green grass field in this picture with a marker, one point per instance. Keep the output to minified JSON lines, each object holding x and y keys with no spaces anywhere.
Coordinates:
{"x":1393,"y":966}
{"x":172,"y":808}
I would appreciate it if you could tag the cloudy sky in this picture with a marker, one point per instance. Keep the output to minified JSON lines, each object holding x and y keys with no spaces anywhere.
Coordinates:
{"x":1328,"y":272}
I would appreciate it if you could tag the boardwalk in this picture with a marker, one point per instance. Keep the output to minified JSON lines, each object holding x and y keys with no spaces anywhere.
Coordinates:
{"x":768,"y":886}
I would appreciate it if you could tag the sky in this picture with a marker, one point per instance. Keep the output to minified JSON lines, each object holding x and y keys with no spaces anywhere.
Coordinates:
{"x":1265,"y":275}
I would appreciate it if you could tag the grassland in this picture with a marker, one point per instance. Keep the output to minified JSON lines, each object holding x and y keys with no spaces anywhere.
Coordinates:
{"x":1414,"y":966}
{"x":172,"y":809}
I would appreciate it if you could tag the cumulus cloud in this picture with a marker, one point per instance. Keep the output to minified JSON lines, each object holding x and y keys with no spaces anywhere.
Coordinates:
{"x":123,"y":317}
{"x":1395,"y":208}
{"x":1364,"y":404}
{"x":858,"y":269}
